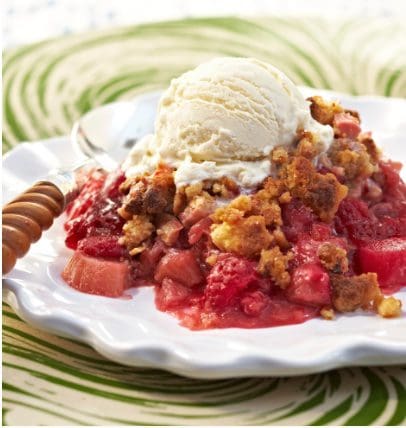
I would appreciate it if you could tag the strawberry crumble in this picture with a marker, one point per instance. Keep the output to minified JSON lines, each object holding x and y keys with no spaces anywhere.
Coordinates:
{"x":325,"y":233}
{"x":248,"y":207}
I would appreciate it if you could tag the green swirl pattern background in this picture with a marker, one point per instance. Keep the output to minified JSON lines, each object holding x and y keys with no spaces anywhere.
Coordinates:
{"x":49,"y":380}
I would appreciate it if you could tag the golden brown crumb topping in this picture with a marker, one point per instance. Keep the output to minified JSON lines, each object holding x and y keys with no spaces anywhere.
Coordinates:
{"x":353,"y":157}
{"x":327,"y":313}
{"x":323,"y":111}
{"x":321,"y":192}
{"x":150,"y":194}
{"x":243,"y":236}
{"x":135,"y":232}
{"x":390,"y":307}
{"x":351,"y":293}
{"x":333,"y":258}
{"x":275,"y":264}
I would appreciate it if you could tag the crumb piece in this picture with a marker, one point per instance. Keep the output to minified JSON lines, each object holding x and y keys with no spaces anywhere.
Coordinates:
{"x":280,"y":239}
{"x":285,"y":198}
{"x":353,"y":157}
{"x":279,"y":156}
{"x":352,"y":292}
{"x":211,"y":259}
{"x":234,"y":210}
{"x":138,"y":250}
{"x":136,"y":231}
{"x":321,"y":192}
{"x":225,"y":187}
{"x":327,"y":313}
{"x":193,"y":190}
{"x":308,"y":146}
{"x":150,"y":194}
{"x":275,"y":264}
{"x":333,"y":258}
{"x":390,"y":307}
{"x":323,"y":111}
{"x":266,"y":207}
{"x":243,"y":236}
{"x":126,"y":215}
{"x":366,"y":140}
{"x":179,"y":201}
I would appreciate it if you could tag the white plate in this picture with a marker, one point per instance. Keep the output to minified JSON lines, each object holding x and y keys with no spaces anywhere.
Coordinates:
{"x":133,"y":332}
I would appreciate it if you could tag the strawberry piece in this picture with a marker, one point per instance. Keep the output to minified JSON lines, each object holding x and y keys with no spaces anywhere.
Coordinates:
{"x":387,"y":258}
{"x":254,"y":303}
{"x":199,"y":229}
{"x":297,"y":219}
{"x":310,"y":285}
{"x":181,"y":266}
{"x":228,"y":278}
{"x":171,"y":295}
{"x":87,"y":196}
{"x":102,"y":246}
{"x":96,"y":276}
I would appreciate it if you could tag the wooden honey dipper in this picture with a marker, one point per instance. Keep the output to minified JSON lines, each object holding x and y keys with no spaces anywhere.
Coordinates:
{"x":26,"y":217}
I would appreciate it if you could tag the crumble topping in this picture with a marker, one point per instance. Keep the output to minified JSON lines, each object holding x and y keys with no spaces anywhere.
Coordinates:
{"x":275,"y":264}
{"x":333,"y":258}
{"x":351,"y":293}
{"x":135,"y":232}
{"x":252,"y":226}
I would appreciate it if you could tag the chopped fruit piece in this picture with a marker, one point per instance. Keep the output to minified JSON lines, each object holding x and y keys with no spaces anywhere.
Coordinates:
{"x":149,"y":259}
{"x":346,"y":125}
{"x":390,"y":307}
{"x":179,"y":266}
{"x":168,"y":229}
{"x":88,"y":194}
{"x":171,"y":294}
{"x":95,"y":275}
{"x":227,"y":279}
{"x":199,"y":229}
{"x":297,"y":218}
{"x":199,"y":208}
{"x":388,"y":259}
{"x":102,"y":246}
{"x":353,"y":292}
{"x":323,"y":111}
{"x":310,"y":285}
{"x":254,"y":303}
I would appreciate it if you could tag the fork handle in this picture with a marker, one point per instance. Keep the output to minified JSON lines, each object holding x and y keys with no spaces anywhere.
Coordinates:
{"x":26,"y":217}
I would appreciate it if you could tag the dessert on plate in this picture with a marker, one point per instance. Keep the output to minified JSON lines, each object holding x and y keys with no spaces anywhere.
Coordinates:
{"x":248,"y":207}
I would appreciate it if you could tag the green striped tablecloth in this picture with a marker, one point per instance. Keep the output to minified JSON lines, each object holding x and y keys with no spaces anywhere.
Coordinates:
{"x":49,"y":380}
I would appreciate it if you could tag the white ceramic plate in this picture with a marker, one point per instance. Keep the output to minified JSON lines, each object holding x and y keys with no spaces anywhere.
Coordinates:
{"x":133,"y":332}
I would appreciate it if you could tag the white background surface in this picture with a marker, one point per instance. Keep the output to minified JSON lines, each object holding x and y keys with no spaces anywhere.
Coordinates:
{"x":28,"y":21}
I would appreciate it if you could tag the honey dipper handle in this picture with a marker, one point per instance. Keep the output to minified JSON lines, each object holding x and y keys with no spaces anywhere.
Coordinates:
{"x":25,"y":217}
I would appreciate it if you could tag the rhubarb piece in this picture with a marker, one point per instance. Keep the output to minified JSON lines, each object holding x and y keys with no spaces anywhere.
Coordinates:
{"x":310,"y":285}
{"x":387,"y":258}
{"x":95,"y":275}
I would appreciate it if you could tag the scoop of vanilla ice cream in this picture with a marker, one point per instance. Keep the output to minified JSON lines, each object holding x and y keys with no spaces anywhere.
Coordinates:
{"x":223,"y":119}
{"x":230,"y":109}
